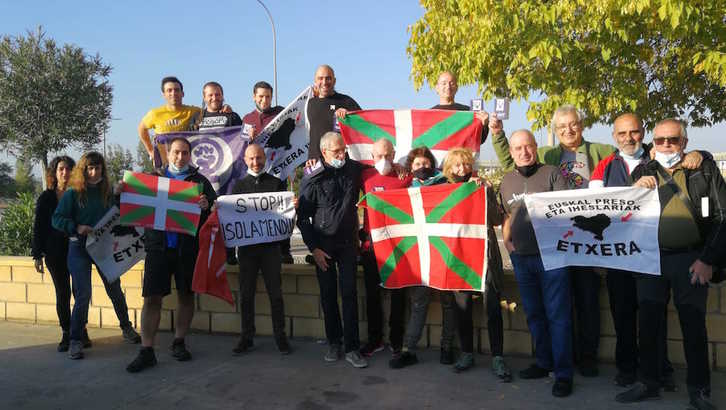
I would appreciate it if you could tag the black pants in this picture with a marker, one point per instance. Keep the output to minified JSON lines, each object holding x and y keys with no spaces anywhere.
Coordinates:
{"x":690,"y":302}
{"x":374,"y":308}
{"x":58,"y":267}
{"x":585,"y":284}
{"x":285,"y":246}
{"x":343,"y":265}
{"x":253,"y":259}
{"x":465,"y":321}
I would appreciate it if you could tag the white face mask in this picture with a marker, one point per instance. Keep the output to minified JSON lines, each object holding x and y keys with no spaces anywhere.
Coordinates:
{"x":668,"y":160}
{"x":383,"y":166}
{"x":636,"y":155}
{"x":337,"y":163}
{"x":253,"y":173}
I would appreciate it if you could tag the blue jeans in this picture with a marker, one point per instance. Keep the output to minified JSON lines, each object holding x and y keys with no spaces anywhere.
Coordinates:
{"x":79,"y":264}
{"x":546,"y":300}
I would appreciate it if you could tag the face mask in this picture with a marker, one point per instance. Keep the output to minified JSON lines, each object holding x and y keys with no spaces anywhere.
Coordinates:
{"x":383,"y":166}
{"x":462,"y":178}
{"x":253,"y":173}
{"x":337,"y":163}
{"x":174,"y":170}
{"x":424,"y":173}
{"x":668,"y":160}
{"x":636,"y":155}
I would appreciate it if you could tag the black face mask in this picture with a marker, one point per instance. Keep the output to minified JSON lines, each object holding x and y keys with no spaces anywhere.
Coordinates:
{"x":527,"y":170}
{"x":460,"y":178}
{"x":424,"y":173}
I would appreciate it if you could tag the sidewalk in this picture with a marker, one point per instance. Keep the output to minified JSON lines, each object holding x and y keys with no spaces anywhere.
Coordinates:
{"x":35,"y":376}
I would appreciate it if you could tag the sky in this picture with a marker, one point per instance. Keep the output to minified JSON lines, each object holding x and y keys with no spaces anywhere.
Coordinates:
{"x":231,"y":42}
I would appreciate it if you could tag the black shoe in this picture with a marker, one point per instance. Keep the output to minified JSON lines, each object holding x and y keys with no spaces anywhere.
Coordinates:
{"x":144,"y":360}
{"x":65,"y":342}
{"x":588,"y":367}
{"x":243,"y":346}
{"x":562,"y":387}
{"x":283,"y":346}
{"x":404,"y":359}
{"x":447,"y":356}
{"x":624,"y":379}
{"x":231,"y":258}
{"x":179,"y":351}
{"x":700,"y":400}
{"x":287,"y":258}
{"x":638,"y":392}
{"x":533,"y":372}
{"x":85,"y":339}
{"x":310,"y":260}
{"x":668,"y":382}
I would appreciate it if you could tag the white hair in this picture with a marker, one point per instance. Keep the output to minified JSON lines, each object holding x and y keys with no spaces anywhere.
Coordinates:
{"x":329,"y":137}
{"x":565,"y":109}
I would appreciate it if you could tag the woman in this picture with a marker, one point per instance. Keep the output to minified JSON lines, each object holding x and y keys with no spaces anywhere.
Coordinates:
{"x":422,"y":164}
{"x":83,"y":204}
{"x":458,"y":167}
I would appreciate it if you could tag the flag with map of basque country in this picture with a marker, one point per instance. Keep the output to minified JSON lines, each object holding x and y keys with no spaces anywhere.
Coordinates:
{"x":434,"y":236}
{"x":160,"y":203}
{"x":439,"y":130}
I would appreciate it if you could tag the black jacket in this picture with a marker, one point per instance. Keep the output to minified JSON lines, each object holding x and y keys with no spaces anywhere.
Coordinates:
{"x":329,"y":196}
{"x":46,"y":239}
{"x":262,"y":183}
{"x":188,"y":246}
{"x":706,"y":181}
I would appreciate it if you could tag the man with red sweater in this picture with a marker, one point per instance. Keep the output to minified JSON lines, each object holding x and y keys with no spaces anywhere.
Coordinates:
{"x":382,"y":177}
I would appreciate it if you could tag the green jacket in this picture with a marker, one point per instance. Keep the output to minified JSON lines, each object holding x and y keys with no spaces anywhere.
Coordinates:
{"x":551,"y":155}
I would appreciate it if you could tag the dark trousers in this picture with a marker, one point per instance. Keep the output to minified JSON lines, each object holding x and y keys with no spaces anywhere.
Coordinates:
{"x":690,"y":302}
{"x":585,"y":284}
{"x":495,"y":324}
{"x":253,"y":259}
{"x":285,"y":246}
{"x":343,"y":266}
{"x":57,"y":265}
{"x":374,"y":308}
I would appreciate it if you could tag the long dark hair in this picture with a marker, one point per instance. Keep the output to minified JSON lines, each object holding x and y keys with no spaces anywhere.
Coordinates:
{"x":51,"y":180}
{"x":419,"y":152}
{"x":79,"y":178}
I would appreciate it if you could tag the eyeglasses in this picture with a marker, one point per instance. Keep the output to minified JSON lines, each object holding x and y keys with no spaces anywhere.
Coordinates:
{"x":671,"y":140}
{"x":572,"y":125}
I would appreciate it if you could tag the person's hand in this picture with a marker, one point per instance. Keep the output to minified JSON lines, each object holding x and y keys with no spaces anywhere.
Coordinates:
{"x":495,"y":125}
{"x":253,"y":133}
{"x":692,"y":160}
{"x":482,"y":116}
{"x":701,"y":273}
{"x":341,"y":113}
{"x":509,"y":245}
{"x":203,"y":202}
{"x":84,"y":229}
{"x":480,"y":181}
{"x":214,"y":207}
{"x":321,"y":258}
{"x":295,"y":201}
{"x":118,"y":187}
{"x":311,"y":162}
{"x":38,"y":265}
{"x":401,"y":171}
{"x":226,"y":109}
{"x":647,"y":181}
{"x":651,"y":153}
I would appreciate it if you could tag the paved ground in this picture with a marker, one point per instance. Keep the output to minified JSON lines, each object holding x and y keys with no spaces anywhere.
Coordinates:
{"x":35,"y":376}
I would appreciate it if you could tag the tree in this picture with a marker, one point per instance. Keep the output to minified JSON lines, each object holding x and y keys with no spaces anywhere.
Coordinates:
{"x":51,"y":97}
{"x":16,"y":225}
{"x":659,"y":58}
{"x":7,"y":183}
{"x":24,"y":180}
{"x":118,"y":160}
{"x":143,"y":160}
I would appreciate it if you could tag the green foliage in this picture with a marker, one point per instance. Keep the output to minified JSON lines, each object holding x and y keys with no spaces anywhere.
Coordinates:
{"x":24,"y":180}
{"x":659,"y":58}
{"x":16,"y":225}
{"x":51,"y":97}
{"x":7,"y":183}
{"x":118,"y":160}
{"x":142,"y":159}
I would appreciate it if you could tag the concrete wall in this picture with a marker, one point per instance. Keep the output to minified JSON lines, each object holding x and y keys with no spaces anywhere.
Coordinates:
{"x":29,"y":297}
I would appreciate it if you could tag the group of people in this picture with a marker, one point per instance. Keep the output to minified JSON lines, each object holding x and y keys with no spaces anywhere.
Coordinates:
{"x":691,"y":190}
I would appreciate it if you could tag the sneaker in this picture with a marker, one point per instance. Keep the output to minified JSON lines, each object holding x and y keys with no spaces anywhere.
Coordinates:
{"x":465,"y":362}
{"x":370,"y":348}
{"x":144,"y":360}
{"x":231,"y":258}
{"x":501,"y":370}
{"x":65,"y":342}
{"x":75,"y":350}
{"x":588,"y":367}
{"x":562,"y":387}
{"x":179,"y":351}
{"x":130,"y":335}
{"x":406,"y":358}
{"x":334,"y":353}
{"x":533,"y":372}
{"x":638,"y":392}
{"x":283,"y":346}
{"x":668,"y":382}
{"x":624,"y":379}
{"x":310,"y":260}
{"x":243,"y":346}
{"x":85,"y":339}
{"x":700,"y":400}
{"x":354,"y":358}
{"x":287,"y":258}
{"x":447,"y":356}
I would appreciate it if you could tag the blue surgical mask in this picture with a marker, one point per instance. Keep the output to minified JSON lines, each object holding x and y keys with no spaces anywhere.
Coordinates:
{"x":668,"y":160}
{"x":174,"y":170}
{"x":337,"y":163}
{"x":636,"y":155}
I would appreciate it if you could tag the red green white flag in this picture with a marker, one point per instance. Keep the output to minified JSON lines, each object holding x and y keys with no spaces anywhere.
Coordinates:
{"x":434,"y":236}
{"x":160,"y":203}
{"x":439,"y":130}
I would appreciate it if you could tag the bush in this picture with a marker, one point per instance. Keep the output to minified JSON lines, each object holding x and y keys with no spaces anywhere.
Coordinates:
{"x":16,"y":225}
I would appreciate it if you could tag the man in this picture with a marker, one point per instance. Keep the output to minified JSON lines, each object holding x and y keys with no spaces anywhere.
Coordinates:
{"x":380,"y":178}
{"x":171,"y":117}
{"x":326,"y":108}
{"x":263,"y":256}
{"x":328,"y":221}
{"x":213,"y":116}
{"x":691,"y":237}
{"x":254,"y":122}
{"x":576,"y":159}
{"x":446,"y":88}
{"x":168,"y":254}
{"x":545,"y":293}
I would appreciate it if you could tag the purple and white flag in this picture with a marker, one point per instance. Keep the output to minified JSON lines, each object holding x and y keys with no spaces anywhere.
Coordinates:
{"x":218,"y":152}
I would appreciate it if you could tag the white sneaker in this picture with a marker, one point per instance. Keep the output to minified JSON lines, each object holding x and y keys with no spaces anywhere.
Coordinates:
{"x":354,"y":358}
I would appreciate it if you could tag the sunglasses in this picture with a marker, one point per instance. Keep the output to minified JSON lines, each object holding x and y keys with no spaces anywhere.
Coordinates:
{"x":671,"y":140}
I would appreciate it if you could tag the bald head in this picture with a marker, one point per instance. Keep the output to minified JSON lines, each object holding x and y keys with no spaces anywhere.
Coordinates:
{"x":255,"y":158}
{"x":523,"y":148}
{"x":383,"y":148}
{"x":324,"y":81}
{"x":446,"y":87}
{"x":628,"y":133}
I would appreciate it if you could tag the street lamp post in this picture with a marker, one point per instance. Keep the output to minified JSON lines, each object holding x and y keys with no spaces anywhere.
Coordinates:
{"x":274,"y":50}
